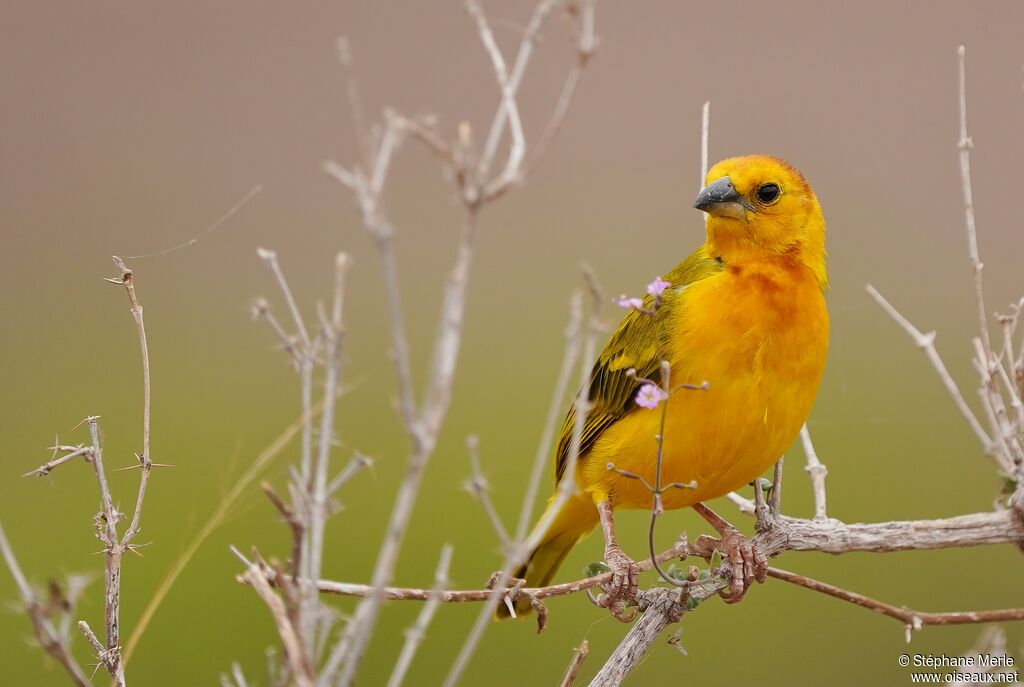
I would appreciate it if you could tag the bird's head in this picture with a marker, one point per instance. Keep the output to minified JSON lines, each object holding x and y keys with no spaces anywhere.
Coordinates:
{"x":761,"y":206}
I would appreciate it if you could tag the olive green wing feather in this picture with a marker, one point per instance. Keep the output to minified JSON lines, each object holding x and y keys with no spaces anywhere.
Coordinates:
{"x":634,"y":345}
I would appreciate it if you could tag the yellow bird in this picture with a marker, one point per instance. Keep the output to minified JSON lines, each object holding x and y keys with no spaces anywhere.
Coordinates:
{"x":746,"y":314}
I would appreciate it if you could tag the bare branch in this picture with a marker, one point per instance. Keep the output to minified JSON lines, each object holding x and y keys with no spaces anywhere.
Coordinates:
{"x":508,"y":83}
{"x":72,"y":452}
{"x":578,"y":657}
{"x":298,"y":528}
{"x":478,"y":487}
{"x":775,"y":502}
{"x":585,"y":48}
{"x":269,"y":257}
{"x":573,"y":334}
{"x":565,"y":490}
{"x":965,"y":144}
{"x":914,"y":620}
{"x":96,"y":644}
{"x":300,"y":664}
{"x":355,"y":99}
{"x":332,"y":332}
{"x":788,"y":534}
{"x":414,"y":636}
{"x":817,"y":471}
{"x":52,"y":641}
{"x":145,"y":460}
{"x":926,"y":342}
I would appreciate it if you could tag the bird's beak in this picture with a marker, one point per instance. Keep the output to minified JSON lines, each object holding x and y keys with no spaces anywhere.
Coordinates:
{"x":719,"y":198}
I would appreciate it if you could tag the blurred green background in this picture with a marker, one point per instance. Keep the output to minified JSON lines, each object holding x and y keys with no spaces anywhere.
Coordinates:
{"x":129,"y":127}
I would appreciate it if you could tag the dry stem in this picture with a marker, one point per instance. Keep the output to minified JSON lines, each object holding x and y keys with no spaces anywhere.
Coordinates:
{"x":52,"y":640}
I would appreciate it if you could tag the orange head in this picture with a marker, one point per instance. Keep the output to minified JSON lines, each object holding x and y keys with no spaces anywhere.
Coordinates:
{"x":760,"y":206}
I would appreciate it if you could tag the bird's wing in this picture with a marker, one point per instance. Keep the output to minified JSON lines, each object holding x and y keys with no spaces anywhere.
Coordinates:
{"x":634,"y":345}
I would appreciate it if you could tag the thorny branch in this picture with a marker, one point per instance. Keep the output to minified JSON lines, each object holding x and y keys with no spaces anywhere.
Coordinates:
{"x":105,"y":522}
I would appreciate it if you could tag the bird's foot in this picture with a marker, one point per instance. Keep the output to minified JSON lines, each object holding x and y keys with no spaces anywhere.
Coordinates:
{"x":748,"y":563}
{"x":621,"y":590}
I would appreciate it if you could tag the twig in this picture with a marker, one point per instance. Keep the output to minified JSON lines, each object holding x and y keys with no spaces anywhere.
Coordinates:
{"x":818,"y":473}
{"x":145,"y":460}
{"x":298,"y":528}
{"x":585,"y":48}
{"x":52,"y":641}
{"x":414,"y":635}
{"x":578,"y":657}
{"x":565,"y":490}
{"x":478,"y":487}
{"x":926,"y":342}
{"x":965,"y":144}
{"x":775,"y":502}
{"x":508,"y":83}
{"x":331,"y":333}
{"x":302,"y":670}
{"x":913,"y":619}
{"x":95,"y":643}
{"x":573,"y":333}
{"x":517,"y":149}
{"x":423,"y":423}
{"x":269,"y":257}
{"x":473,"y":595}
{"x":48,"y":467}
{"x":355,"y":99}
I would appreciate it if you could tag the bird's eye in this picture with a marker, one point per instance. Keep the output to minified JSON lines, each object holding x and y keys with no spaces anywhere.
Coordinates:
{"x":768,"y":193}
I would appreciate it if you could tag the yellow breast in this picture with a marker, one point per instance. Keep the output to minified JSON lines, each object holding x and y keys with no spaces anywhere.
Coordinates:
{"x":758,"y":334}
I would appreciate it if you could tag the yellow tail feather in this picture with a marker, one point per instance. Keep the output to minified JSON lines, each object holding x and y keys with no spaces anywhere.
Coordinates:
{"x":574,"y":521}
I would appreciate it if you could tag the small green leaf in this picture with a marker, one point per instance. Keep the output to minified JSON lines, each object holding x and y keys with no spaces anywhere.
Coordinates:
{"x":716,"y":559}
{"x":692,"y":603}
{"x":703,"y":575}
{"x":766,"y":484}
{"x":596,"y":568}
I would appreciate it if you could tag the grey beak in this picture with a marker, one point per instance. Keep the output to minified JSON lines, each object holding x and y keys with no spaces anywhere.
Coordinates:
{"x":720,"y":198}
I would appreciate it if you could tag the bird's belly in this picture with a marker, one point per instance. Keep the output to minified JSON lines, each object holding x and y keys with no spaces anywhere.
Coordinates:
{"x":762,"y":365}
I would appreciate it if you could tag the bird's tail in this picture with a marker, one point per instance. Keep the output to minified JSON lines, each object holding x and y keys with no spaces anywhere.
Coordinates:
{"x":573,"y":521}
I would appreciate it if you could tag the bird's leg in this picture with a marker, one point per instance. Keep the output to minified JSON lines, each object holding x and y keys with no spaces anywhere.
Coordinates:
{"x":625,"y":574}
{"x":748,"y":562}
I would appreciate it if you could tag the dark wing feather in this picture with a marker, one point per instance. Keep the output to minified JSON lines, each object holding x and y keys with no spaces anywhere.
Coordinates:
{"x":635,"y":344}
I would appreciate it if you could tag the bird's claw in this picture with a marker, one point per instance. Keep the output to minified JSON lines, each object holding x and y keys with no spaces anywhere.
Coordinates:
{"x":621,"y":590}
{"x":748,"y":563}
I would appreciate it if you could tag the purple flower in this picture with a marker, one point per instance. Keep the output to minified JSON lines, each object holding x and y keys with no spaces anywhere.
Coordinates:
{"x":656,"y":287}
{"x":625,"y":301}
{"x":650,"y":395}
